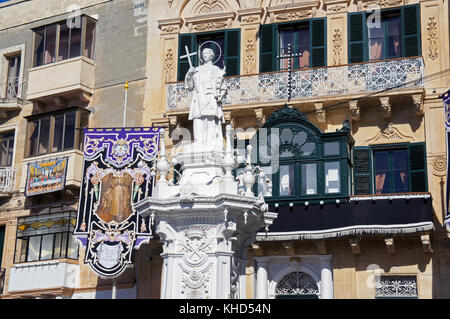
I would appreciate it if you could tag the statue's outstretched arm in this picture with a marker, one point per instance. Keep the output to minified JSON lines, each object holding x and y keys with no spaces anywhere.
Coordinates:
{"x":189,"y":79}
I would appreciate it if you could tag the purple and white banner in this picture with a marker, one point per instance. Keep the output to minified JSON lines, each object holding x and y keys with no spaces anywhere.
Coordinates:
{"x":116,"y":174}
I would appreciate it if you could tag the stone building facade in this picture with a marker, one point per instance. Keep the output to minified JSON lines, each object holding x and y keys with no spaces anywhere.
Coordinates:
{"x":360,"y":192}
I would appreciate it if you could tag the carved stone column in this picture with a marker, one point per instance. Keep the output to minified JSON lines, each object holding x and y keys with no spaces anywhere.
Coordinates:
{"x":326,"y":279}
{"x":337,"y":29}
{"x":261,"y":278}
{"x":250,"y":21}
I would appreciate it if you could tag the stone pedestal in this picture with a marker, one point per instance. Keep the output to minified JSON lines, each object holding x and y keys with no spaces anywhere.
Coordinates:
{"x":204,"y":224}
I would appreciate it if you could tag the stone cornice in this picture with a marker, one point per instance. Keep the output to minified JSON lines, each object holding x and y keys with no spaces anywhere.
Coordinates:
{"x":169,"y":26}
{"x":372,"y":4}
{"x":250,"y":16}
{"x":292,"y":11}
{"x":209,"y":22}
{"x":336,"y":6}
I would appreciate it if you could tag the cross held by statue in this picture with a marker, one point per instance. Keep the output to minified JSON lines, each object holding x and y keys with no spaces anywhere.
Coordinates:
{"x":188,"y":56}
{"x":289,"y":56}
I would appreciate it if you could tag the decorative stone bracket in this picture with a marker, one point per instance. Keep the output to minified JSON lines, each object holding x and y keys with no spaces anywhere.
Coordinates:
{"x":386,"y":108}
{"x":321,"y":247}
{"x":390,"y":245}
{"x":426,"y":243}
{"x":354,"y":244}
{"x":229,"y":119}
{"x":355,"y":111}
{"x":321,"y":114}
{"x":418,"y":103}
{"x":260,"y":117}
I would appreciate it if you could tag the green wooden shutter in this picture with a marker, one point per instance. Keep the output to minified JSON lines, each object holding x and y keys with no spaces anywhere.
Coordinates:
{"x":318,"y":40}
{"x":268,"y":48}
{"x":362,"y":170}
{"x":411,"y":31}
{"x":2,"y":241}
{"x":417,"y":167}
{"x":232,"y":49}
{"x":357,"y":37}
{"x":183,"y":64}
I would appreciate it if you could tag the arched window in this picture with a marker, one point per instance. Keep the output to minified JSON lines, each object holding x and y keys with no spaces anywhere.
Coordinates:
{"x":301,"y":162}
{"x":296,"y":285}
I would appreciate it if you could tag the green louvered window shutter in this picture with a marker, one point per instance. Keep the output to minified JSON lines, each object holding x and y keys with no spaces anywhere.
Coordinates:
{"x":417,"y":167}
{"x":318,"y":42}
{"x":357,"y":37}
{"x":411,"y":31}
{"x":361,"y":170}
{"x":185,"y":40}
{"x":268,"y":48}
{"x":232,"y":49}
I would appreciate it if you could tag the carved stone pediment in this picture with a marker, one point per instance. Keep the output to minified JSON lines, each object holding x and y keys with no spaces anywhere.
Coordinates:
{"x":210,"y":22}
{"x":389,"y":134}
{"x":294,"y":11}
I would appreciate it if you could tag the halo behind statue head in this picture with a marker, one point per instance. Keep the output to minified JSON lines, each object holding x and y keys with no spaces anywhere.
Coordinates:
{"x":200,"y":51}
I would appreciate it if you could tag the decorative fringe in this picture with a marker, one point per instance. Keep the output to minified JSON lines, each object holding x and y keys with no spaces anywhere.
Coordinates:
{"x":353,"y":230}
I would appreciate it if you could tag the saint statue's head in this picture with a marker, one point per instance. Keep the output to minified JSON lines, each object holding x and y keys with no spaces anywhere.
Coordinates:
{"x":208,"y":55}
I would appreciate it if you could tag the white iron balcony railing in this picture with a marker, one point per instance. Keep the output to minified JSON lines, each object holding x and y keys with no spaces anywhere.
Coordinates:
{"x":7,"y":176}
{"x":316,"y":82}
{"x":11,"y":90}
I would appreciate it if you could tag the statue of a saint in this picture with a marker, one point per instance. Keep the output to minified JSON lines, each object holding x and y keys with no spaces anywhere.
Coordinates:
{"x":206,"y":82}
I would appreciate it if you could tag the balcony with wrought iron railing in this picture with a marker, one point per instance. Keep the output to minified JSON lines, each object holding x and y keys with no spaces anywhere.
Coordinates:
{"x":334,"y":82}
{"x":11,"y":95}
{"x":11,"y":90}
{"x":7,"y":178}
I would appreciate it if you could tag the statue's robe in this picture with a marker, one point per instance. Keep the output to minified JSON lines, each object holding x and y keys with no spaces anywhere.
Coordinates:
{"x":205,"y":111}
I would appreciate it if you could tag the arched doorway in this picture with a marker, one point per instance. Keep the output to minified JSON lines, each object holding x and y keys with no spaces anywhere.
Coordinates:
{"x":297,"y":285}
